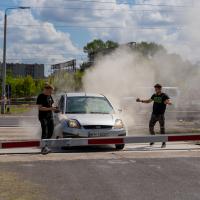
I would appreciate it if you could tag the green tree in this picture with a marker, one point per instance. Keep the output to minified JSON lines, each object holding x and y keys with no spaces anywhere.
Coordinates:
{"x":111,"y":44}
{"x":29,"y":86}
{"x":98,"y":45}
{"x":39,"y":84}
{"x":84,"y":66}
{"x":24,"y":86}
{"x":19,"y":87}
{"x":149,"y":49}
{"x":94,"y":46}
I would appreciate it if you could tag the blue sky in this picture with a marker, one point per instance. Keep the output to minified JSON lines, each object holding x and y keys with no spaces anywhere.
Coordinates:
{"x":56,"y":30}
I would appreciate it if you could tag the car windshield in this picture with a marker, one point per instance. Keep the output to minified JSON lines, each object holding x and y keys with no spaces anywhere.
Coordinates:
{"x":93,"y":105}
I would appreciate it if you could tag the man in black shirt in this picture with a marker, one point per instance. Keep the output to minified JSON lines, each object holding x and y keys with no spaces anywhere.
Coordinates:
{"x":160,"y":100}
{"x":45,"y":115}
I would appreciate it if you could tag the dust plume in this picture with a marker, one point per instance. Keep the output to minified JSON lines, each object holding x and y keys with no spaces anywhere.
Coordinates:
{"x":31,"y":131}
{"x":125,"y":75}
{"x":119,"y":75}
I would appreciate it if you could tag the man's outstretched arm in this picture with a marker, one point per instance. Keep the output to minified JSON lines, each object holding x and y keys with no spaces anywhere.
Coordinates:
{"x":42,"y":108}
{"x":144,"y":101}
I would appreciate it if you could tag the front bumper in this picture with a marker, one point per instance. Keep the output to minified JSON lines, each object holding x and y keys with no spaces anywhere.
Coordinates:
{"x":88,"y":133}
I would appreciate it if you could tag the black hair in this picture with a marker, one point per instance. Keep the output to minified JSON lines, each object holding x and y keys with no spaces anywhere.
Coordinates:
{"x":158,"y":86}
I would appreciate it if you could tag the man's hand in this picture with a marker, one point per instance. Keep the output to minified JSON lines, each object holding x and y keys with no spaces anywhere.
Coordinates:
{"x":56,"y":109}
{"x":138,"y":100}
{"x":168,"y":102}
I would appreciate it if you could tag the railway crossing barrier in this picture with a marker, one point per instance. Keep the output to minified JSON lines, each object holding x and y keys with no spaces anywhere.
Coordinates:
{"x":71,"y":142}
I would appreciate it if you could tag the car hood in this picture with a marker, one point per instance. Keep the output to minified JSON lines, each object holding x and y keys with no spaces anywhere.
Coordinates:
{"x":93,"y":119}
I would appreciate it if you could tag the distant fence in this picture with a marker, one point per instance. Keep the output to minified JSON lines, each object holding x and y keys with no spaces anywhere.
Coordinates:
{"x":22,"y":100}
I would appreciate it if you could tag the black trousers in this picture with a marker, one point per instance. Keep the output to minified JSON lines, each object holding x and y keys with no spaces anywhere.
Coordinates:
{"x":47,"y":126}
{"x":152,"y":123}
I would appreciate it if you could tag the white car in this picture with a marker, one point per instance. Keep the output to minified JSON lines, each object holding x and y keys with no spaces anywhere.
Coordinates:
{"x":87,"y":115}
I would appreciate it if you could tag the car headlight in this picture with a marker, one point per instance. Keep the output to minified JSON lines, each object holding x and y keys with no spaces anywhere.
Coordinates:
{"x":118,"y":124}
{"x":72,"y":123}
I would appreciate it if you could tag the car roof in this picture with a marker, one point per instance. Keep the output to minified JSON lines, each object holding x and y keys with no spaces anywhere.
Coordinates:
{"x":83,"y":94}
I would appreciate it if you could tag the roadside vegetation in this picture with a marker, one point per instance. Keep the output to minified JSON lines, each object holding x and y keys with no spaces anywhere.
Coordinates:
{"x":19,"y":109}
{"x":24,"y":86}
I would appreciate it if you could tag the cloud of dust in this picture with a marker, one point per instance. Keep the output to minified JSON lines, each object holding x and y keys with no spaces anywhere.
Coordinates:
{"x":64,"y":82}
{"x":119,"y":75}
{"x":30,"y":125}
{"x":123,"y":72}
{"x":32,"y":131}
{"x":125,"y":75}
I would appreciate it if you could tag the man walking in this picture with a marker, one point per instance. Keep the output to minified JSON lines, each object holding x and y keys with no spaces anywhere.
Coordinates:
{"x":160,"y":100}
{"x":45,"y":115}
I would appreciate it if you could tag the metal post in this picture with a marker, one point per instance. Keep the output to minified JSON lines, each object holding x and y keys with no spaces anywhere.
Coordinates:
{"x":4,"y":67}
{"x":3,"y":98}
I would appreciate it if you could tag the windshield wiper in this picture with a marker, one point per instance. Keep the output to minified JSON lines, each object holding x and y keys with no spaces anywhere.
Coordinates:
{"x":76,"y":112}
{"x":87,"y":113}
{"x":99,"y":113}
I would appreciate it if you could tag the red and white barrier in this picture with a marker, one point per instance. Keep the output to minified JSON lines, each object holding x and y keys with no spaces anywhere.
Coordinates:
{"x":19,"y":144}
{"x":98,"y":141}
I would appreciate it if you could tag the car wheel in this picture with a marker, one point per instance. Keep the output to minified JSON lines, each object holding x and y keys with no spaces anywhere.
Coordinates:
{"x":119,"y":146}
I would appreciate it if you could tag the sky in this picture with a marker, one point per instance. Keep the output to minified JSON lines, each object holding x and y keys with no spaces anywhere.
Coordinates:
{"x":54,"y":31}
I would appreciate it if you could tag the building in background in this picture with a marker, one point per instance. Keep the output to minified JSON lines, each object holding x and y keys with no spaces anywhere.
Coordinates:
{"x":69,"y":66}
{"x":22,"y":70}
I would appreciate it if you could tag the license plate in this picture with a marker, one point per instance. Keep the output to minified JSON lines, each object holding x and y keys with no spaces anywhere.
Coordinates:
{"x":96,"y":134}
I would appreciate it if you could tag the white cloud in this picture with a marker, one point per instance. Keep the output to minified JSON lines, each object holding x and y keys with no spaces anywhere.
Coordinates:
{"x":41,"y":44}
{"x":131,"y":18}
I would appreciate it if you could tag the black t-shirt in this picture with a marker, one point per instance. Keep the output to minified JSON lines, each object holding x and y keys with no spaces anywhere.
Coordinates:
{"x":45,"y":101}
{"x":159,"y":106}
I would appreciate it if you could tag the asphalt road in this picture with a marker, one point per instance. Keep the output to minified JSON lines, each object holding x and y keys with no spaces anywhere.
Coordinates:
{"x":17,"y":120}
{"x":137,"y":173}
{"x":119,"y":178}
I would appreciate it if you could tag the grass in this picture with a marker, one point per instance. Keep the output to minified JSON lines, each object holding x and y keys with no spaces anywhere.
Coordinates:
{"x":19,"y":109}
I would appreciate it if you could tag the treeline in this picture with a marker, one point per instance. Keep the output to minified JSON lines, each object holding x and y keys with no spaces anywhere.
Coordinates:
{"x":24,"y":86}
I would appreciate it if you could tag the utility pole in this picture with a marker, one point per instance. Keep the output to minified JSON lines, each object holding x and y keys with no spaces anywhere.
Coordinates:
{"x":4,"y":67}
{"x":3,"y":98}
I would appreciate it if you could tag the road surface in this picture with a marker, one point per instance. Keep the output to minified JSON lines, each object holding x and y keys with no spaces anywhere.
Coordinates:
{"x":138,"y":173}
{"x":28,"y":127}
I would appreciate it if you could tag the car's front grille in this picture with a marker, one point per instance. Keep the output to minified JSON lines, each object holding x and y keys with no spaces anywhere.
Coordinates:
{"x":97,"y":127}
